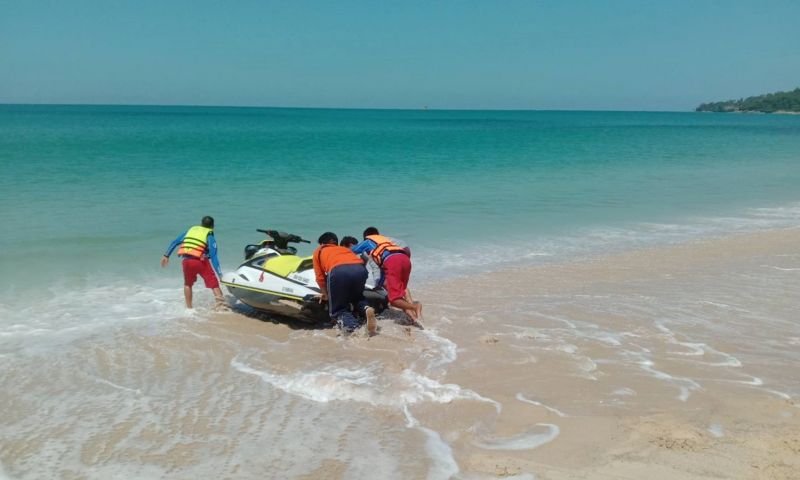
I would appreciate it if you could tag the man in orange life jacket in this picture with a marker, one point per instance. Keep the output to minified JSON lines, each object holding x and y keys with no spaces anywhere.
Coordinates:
{"x":395,"y":263}
{"x":197,"y":247}
{"x":341,"y":276}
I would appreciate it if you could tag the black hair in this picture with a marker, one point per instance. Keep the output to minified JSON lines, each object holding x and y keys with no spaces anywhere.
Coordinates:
{"x":348,"y":242}
{"x":208,"y":222}
{"x":328,"y":237}
{"x":371,"y":231}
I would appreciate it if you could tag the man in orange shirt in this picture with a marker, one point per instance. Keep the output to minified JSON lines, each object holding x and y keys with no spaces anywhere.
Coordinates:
{"x":341,"y":276}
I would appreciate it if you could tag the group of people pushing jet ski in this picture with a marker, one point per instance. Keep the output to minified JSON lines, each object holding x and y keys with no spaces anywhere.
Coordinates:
{"x":340,"y":270}
{"x":341,"y":276}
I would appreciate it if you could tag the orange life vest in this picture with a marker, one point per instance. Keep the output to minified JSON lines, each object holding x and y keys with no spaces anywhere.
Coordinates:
{"x":384,"y":244}
{"x":195,"y":243}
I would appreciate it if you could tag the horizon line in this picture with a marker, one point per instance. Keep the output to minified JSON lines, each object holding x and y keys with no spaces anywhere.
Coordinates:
{"x":423,"y":108}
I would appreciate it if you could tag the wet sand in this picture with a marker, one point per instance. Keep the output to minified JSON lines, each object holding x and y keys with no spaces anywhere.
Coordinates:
{"x":674,"y":362}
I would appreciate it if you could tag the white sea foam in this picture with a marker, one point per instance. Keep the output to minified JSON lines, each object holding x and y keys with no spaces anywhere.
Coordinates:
{"x":364,"y":384}
{"x":701,"y":349}
{"x":695,"y":349}
{"x":525,"y":441}
{"x":755,"y":381}
{"x":587,"y":365}
{"x":523,"y":398}
{"x":569,"y":323}
{"x":716,"y":304}
{"x":63,"y":315}
{"x":3,"y":474}
{"x":447,"y":349}
{"x":779,"y":394}
{"x":716,"y":430}
{"x":444,"y":465}
{"x":781,"y":268}
{"x":435,"y":263}
{"x":686,"y":385}
{"x":118,"y":387}
{"x":624,"y":392}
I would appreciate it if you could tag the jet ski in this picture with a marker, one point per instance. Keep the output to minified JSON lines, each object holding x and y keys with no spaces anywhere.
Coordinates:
{"x":273,"y":279}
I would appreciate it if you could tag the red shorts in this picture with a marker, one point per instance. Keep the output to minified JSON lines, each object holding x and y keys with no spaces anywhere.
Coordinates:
{"x":192,"y":267}
{"x":398,"y":268}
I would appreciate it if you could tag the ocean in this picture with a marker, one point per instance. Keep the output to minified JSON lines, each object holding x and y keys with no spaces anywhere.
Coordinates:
{"x":105,"y":373}
{"x":92,"y":191}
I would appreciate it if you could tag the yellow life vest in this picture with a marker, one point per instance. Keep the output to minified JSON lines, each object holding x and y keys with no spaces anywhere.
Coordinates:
{"x":195,"y":243}
{"x":384,"y":244}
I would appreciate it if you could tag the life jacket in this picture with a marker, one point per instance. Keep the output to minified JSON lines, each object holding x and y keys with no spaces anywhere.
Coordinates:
{"x":384,"y":244}
{"x":195,"y":243}
{"x":338,"y":256}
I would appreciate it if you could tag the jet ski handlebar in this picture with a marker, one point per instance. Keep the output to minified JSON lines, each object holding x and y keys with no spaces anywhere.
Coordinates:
{"x":282,"y":239}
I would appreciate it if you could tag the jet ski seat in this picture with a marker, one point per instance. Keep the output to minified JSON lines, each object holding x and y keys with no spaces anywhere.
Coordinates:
{"x":286,"y":264}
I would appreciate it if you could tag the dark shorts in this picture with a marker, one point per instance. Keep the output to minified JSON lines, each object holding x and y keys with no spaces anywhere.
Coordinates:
{"x":398,"y":270}
{"x":346,"y":288}
{"x":192,"y":267}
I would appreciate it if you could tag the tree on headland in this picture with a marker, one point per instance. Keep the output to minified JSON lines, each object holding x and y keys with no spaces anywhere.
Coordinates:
{"x":769,"y":103}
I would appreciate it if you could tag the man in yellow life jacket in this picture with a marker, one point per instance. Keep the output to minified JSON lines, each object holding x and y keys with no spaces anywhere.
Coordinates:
{"x":198,"y":248}
{"x":395,"y":263}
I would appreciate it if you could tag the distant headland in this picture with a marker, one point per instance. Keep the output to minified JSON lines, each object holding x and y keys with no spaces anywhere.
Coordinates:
{"x":779,"y":102}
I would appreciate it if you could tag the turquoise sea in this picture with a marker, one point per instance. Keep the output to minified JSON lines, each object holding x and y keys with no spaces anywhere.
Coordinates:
{"x":107,"y":375}
{"x":90,"y":193}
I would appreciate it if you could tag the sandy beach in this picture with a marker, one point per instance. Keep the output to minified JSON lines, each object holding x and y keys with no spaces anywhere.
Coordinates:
{"x":701,"y":391}
{"x":673,"y":362}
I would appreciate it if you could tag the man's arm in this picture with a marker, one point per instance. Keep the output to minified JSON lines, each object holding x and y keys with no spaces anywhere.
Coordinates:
{"x":366,"y":246}
{"x":175,"y":243}
{"x":381,"y":279}
{"x":172,"y":247}
{"x":212,"y":253}
{"x":320,"y":273}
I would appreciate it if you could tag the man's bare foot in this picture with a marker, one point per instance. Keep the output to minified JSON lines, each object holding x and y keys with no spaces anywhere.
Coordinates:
{"x":372,"y":322}
{"x":221,"y":305}
{"x":418,"y":309}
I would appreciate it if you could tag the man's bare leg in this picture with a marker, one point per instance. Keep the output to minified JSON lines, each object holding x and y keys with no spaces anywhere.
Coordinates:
{"x":406,"y":306}
{"x":219,"y":299}
{"x":417,"y":305}
{"x":187,"y":295}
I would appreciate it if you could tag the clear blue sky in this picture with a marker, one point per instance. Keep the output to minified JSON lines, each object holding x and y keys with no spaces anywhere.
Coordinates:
{"x":559,"y":54}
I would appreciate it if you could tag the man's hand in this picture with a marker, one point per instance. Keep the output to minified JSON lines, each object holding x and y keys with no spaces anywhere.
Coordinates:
{"x":164,"y":261}
{"x":323,"y":298}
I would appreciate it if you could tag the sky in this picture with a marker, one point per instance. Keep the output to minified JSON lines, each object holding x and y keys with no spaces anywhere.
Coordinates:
{"x":493,"y":54}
